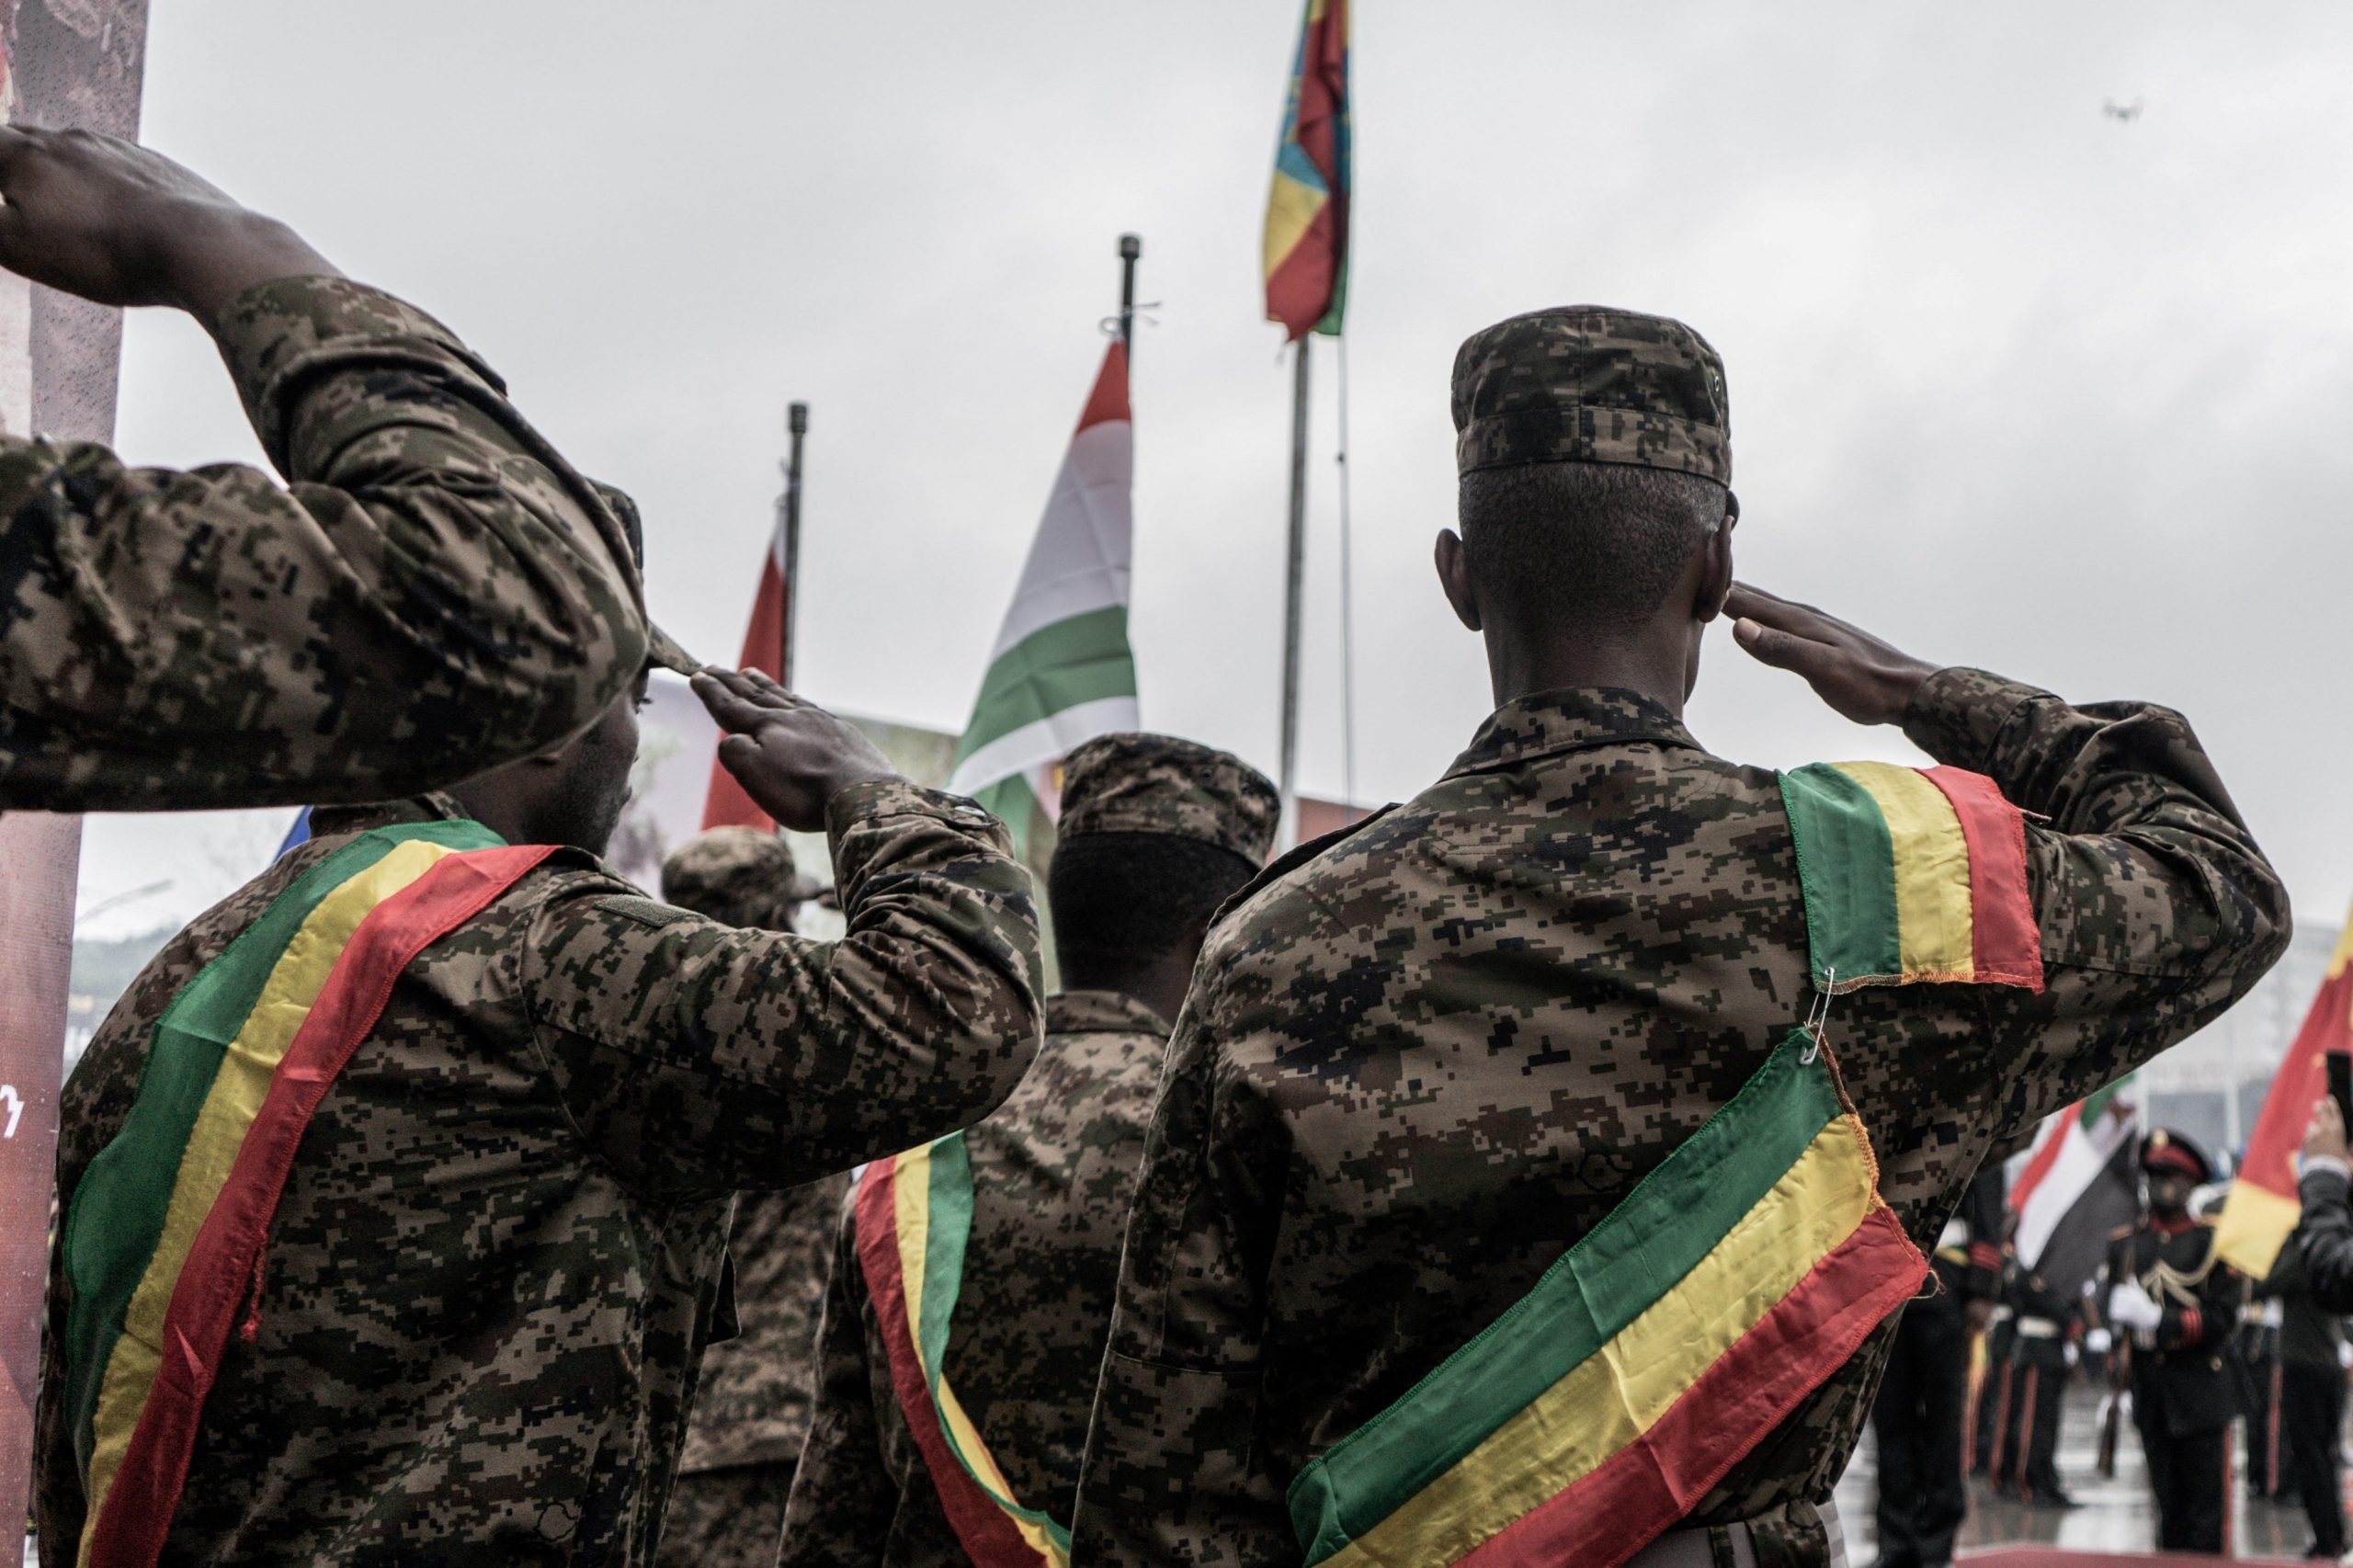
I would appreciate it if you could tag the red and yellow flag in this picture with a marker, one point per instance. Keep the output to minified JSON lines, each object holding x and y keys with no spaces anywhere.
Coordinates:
{"x":2263,"y":1207}
{"x":1307,"y":211}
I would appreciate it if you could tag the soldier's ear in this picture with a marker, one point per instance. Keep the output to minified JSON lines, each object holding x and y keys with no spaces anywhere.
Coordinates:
{"x":1454,"y":577}
{"x":1716,"y":576}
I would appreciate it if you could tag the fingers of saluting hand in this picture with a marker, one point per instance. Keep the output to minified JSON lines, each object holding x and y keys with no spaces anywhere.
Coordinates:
{"x":740,"y":703}
{"x":1775,"y":631}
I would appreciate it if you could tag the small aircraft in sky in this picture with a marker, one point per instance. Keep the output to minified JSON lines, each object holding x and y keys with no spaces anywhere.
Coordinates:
{"x":2121,"y":112}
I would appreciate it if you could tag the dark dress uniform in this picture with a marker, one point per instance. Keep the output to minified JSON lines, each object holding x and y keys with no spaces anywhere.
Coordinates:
{"x":1992,"y":1410}
{"x":1923,"y":1395}
{"x":2182,"y":1397}
{"x":2045,"y":1324}
{"x":2312,"y":1399}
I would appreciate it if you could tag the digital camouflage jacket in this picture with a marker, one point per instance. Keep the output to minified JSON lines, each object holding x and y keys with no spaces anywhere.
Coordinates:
{"x":1052,"y":1172}
{"x":496,"y":1261}
{"x":437,"y":593}
{"x":752,"y":1406}
{"x":1418,"y":1063}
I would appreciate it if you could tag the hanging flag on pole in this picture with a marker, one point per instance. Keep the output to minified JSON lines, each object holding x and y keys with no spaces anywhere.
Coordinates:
{"x":1307,"y":211}
{"x":2263,"y":1205}
{"x":2079,"y":1184}
{"x":768,"y":640}
{"x":1062,"y":671}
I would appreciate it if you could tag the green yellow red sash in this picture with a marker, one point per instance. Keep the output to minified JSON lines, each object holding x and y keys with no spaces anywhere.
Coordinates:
{"x":164,"y":1241}
{"x":915,"y":1215}
{"x":1739,"y":1274}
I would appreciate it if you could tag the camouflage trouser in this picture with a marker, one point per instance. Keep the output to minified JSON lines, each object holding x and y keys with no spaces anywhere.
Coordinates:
{"x":726,"y":1518}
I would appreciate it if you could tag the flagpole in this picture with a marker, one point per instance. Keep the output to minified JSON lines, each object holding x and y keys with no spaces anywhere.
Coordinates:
{"x":796,"y":421}
{"x":1294,"y":593}
{"x":1131,"y":247}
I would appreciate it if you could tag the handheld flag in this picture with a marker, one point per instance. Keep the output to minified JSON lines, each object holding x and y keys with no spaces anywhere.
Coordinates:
{"x":1062,"y":671}
{"x":2263,"y":1207}
{"x":1307,"y":211}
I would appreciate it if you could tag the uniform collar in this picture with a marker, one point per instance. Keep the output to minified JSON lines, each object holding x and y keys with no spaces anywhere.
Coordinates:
{"x":1101,"y":1012}
{"x":1576,"y":718}
{"x":333,"y":821}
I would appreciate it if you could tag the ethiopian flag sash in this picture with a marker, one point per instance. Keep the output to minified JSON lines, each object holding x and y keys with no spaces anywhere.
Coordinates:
{"x":164,"y":1242}
{"x":1671,"y":1339}
{"x":915,"y":1214}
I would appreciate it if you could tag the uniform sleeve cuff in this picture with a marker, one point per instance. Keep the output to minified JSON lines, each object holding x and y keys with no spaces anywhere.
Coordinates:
{"x":2323,"y":1179}
{"x":277,"y":335}
{"x":896,"y":797}
{"x":1959,"y":713}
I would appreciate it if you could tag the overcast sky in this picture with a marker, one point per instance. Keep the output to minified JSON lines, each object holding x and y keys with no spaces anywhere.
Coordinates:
{"x":2013,"y":383}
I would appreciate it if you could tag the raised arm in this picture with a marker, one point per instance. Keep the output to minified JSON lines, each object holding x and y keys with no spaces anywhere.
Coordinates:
{"x":704,"y":1059}
{"x":2156,"y":909}
{"x":437,"y":594}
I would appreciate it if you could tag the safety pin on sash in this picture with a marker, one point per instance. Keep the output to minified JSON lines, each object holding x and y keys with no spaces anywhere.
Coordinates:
{"x":1819,"y":1019}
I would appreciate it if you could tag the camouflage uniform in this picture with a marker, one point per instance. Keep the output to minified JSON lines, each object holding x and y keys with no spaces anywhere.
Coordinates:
{"x":498,"y":1258}
{"x":1051,"y":1171}
{"x":437,"y":593}
{"x":1426,"y":1055}
{"x":751,"y":1407}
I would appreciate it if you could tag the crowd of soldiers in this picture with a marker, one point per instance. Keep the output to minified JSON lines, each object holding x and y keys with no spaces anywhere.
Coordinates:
{"x":441,"y":1196}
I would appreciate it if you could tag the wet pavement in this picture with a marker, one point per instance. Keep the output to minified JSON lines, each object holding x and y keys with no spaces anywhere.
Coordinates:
{"x":2116,"y":1514}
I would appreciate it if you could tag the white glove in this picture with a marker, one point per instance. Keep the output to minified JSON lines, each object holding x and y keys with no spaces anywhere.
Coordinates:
{"x":2072,"y":1356}
{"x":2129,"y":1306}
{"x":2097,"y":1341}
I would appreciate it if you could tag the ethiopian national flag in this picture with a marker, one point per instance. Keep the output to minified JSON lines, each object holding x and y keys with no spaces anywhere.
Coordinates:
{"x":1062,"y":671}
{"x":1666,"y":1343}
{"x":2263,"y":1207}
{"x":164,"y":1242}
{"x":915,"y":1215}
{"x":1307,"y":211}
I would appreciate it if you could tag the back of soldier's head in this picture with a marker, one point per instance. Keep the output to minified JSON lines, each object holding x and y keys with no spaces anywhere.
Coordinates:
{"x":737,"y":876}
{"x":1595,"y":458}
{"x":1155,"y":834}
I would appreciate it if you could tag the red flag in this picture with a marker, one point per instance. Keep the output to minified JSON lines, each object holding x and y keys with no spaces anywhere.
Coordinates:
{"x":727,"y":805}
{"x":2263,"y":1207}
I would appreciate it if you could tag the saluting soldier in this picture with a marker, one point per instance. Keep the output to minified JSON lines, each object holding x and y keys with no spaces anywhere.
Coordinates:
{"x":2179,"y":1304}
{"x":1428,"y":1061}
{"x":1923,"y":1397}
{"x":1155,"y":833}
{"x":434,"y":593}
{"x":751,"y":1405}
{"x":418,"y":1154}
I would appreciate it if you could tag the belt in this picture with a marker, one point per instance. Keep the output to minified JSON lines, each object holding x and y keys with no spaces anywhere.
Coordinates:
{"x":1688,"y":1548}
{"x":2037,"y":1328}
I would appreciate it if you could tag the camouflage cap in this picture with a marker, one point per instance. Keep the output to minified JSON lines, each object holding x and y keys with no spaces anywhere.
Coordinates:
{"x":738,"y":876}
{"x":1586,"y":384}
{"x":1144,"y":783}
{"x":662,"y":649}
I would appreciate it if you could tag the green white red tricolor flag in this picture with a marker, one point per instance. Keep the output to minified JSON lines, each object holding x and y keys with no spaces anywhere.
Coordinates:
{"x":1062,"y":671}
{"x":1307,"y":209}
{"x":2263,"y":1207}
